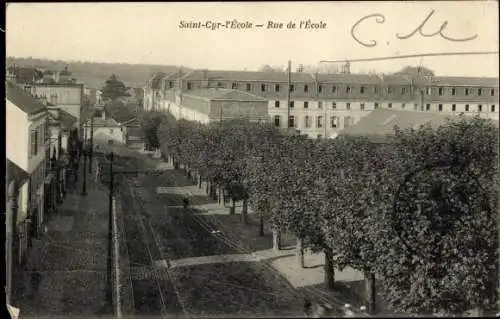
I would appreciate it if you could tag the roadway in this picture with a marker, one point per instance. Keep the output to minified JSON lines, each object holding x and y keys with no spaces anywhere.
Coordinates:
{"x":161,"y":235}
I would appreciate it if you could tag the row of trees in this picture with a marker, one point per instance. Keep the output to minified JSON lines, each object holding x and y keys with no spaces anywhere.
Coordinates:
{"x":418,"y":212}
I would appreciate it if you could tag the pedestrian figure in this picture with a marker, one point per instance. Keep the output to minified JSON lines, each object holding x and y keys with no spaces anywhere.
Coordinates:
{"x":185,"y":202}
{"x":307,"y":307}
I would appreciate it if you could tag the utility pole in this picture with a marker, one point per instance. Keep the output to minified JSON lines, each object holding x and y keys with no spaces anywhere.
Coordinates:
{"x":84,"y":185}
{"x":91,"y":146}
{"x":288,"y":94}
{"x":109,"y":289}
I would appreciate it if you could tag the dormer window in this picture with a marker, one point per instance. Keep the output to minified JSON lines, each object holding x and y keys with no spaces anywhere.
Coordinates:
{"x":362,"y":90}
{"x":306,"y":88}
{"x":234,"y":86}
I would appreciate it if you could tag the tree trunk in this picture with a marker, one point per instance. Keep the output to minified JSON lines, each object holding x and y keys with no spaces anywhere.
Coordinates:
{"x":370,"y":291}
{"x":244,"y":212}
{"x":221,"y":197}
{"x":329,"y":269}
{"x":300,"y":252}
{"x":276,"y":239}
{"x":199,"y":181}
{"x":213,"y":192}
{"x":207,"y":188}
{"x":232,"y":209}
{"x":261,"y":224}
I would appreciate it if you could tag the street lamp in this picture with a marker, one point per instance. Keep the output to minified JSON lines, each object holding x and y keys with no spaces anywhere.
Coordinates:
{"x":84,"y":185}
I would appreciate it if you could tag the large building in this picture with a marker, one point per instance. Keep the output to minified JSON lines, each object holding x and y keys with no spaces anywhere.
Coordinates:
{"x":323,"y":104}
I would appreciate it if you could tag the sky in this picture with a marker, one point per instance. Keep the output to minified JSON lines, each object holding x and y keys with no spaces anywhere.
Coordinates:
{"x":151,"y":33}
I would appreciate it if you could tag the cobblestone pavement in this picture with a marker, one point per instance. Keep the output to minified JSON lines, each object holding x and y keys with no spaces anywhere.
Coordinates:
{"x":65,"y":274}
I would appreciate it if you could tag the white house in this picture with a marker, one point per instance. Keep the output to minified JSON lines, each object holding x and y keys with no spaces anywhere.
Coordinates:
{"x":28,"y":147}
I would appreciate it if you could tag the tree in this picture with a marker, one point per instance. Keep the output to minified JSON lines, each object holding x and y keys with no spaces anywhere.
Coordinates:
{"x":113,"y":89}
{"x":270,"y":69}
{"x":149,"y":123}
{"x":414,"y":71}
{"x":442,"y":252}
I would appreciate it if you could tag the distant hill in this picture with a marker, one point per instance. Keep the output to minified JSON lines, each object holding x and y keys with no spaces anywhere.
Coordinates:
{"x":95,"y":74}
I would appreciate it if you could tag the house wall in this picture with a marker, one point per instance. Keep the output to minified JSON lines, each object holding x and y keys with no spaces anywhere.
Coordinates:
{"x":102,"y":135}
{"x":251,"y":110}
{"x":17,"y":137}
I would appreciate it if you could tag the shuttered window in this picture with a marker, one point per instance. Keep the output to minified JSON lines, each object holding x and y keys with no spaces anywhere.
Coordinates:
{"x":34,"y":143}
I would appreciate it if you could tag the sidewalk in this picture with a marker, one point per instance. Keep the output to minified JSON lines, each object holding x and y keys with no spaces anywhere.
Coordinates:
{"x":308,"y":280}
{"x":65,"y":274}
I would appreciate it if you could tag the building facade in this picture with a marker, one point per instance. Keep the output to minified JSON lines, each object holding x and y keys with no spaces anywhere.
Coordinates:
{"x":28,"y":147}
{"x":323,"y":104}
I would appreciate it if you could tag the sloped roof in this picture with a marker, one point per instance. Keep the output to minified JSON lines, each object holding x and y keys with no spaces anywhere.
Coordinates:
{"x":156,"y":80}
{"x":465,"y":81}
{"x":224,"y":94}
{"x":214,"y":75}
{"x":23,"y":100}
{"x":379,"y":124}
{"x":66,"y":119}
{"x":349,"y":78}
{"x":120,"y":112}
{"x":26,"y":74}
{"x":15,"y":173}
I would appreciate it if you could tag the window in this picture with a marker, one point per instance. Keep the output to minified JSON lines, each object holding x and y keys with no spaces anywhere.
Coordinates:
{"x":403,"y":90}
{"x":249,"y":87}
{"x":362,"y":106}
{"x":277,"y":120}
{"x":189,"y":85}
{"x":291,"y":121}
{"x":479,"y":108}
{"x":292,"y":87}
{"x":334,"y":105}
{"x":440,"y":91}
{"x":292,"y":104}
{"x":277,"y":88}
{"x":234,"y":86}
{"x":453,"y":107}
{"x":320,"y":105}
{"x":333,"y":121}
{"x":263,"y":87}
{"x":375,"y":106}
{"x":334,"y":89}
{"x":403,"y":105}
{"x":428,"y":91}
{"x":307,"y":121}
{"x":466,"y":91}
{"x":389,"y":90}
{"x":389,"y":105}
{"x":319,"y":121}
{"x":320,"y":88}
{"x":110,"y":131}
{"x":219,"y":84}
{"x":348,"y":89}
{"x":362,"y":90}
{"x":415,"y":106}
{"x":111,"y":142}
{"x":479,"y":92}
{"x":348,"y":106}
{"x":440,"y":107}
{"x":427,"y":107}
{"x":466,"y":107}
{"x":492,"y":92}
{"x":493,"y":108}
{"x":306,"y":104}
{"x":276,"y":103}
{"x":453,"y":91}
{"x":170,"y":84}
{"x":306,"y":88}
{"x":34,"y":143}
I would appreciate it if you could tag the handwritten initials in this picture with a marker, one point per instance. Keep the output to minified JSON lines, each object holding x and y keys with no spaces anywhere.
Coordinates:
{"x":380,"y":19}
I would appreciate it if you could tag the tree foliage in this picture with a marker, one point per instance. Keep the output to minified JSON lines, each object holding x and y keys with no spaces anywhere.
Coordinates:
{"x":418,"y":211}
{"x":113,"y":89}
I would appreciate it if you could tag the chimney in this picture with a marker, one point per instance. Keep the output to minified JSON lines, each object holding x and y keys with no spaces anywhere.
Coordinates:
{"x":204,"y":78}
{"x":346,"y":68}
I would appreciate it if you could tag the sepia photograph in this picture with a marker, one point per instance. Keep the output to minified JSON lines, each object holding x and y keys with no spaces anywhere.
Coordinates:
{"x":252,"y":159}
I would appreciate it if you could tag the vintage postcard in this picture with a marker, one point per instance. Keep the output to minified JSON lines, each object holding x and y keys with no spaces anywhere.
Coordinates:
{"x":252,"y":159}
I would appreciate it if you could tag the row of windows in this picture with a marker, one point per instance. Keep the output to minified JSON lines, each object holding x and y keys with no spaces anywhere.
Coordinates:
{"x":376,"y":105}
{"x":348,"y":89}
{"x":319,"y":123}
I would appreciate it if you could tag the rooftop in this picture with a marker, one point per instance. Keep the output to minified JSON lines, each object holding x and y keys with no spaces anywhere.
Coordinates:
{"x":224,"y":94}
{"x":23,"y":100}
{"x":214,"y":75}
{"x":15,"y":173}
{"x":120,"y":112}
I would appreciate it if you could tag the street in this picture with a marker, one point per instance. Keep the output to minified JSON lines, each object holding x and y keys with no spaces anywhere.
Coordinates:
{"x":179,"y":263}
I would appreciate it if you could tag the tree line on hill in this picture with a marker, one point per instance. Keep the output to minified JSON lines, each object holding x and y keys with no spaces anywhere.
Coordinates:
{"x":419,"y":212}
